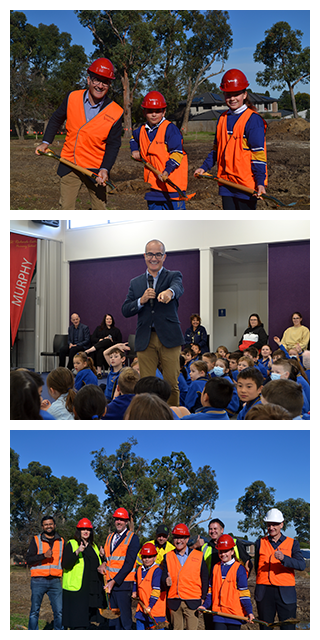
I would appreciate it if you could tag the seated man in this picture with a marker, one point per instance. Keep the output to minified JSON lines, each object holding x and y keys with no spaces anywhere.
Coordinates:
{"x":78,"y":340}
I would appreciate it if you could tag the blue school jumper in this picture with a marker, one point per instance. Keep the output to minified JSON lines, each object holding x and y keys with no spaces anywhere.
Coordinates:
{"x":192,"y":401}
{"x":118,"y":406}
{"x":234,"y":404}
{"x":242,"y":414}
{"x":207,"y":413}
{"x":183,"y":389}
{"x":83,"y":377}
{"x":112,"y":380}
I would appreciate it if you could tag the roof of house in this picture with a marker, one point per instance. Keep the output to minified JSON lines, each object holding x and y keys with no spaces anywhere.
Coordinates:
{"x":214,"y":99}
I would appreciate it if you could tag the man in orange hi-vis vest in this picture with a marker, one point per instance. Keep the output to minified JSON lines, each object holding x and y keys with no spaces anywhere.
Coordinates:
{"x":185,"y":576}
{"x":276,"y":558}
{"x":118,"y":567}
{"x":44,"y":559}
{"x":94,"y":127}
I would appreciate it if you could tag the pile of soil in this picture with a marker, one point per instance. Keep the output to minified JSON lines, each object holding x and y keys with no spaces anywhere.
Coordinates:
{"x":35,"y":184}
{"x":21,"y":597}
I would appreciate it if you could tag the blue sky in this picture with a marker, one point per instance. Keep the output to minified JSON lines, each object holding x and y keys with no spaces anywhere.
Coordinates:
{"x":278,"y":458}
{"x":248,"y":27}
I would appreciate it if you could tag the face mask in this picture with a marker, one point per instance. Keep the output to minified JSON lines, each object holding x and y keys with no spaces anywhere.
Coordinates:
{"x":218,"y":371}
{"x":275,"y":376}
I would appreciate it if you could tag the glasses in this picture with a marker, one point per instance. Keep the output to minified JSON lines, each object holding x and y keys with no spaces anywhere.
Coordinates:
{"x":154,"y":255}
{"x":98,"y":81}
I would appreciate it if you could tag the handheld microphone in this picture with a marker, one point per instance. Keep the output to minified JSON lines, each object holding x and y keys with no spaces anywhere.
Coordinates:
{"x":150,"y":285}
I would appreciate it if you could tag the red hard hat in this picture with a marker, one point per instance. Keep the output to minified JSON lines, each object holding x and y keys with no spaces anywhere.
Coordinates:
{"x":234,"y":80}
{"x":181,"y":530}
{"x":102,"y":67}
{"x":148,"y":549}
{"x":84,"y":523}
{"x":121,"y":513}
{"x":154,"y":100}
{"x":225,"y":543}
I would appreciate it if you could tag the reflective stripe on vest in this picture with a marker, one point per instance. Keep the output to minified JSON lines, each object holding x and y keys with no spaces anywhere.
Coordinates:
{"x":233,"y":161}
{"x":72,"y":578}
{"x":186,"y":579}
{"x":156,"y":153}
{"x":115,"y":563}
{"x":85,"y":142}
{"x":225,"y":595}
{"x":48,"y":566}
{"x":270,"y":569}
{"x":144,"y":588}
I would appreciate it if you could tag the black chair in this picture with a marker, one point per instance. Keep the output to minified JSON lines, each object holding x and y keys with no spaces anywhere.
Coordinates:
{"x":130,"y":355}
{"x":59,"y":340}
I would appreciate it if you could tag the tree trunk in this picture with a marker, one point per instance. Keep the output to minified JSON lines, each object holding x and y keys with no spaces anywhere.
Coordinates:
{"x":127,"y":121}
{"x":18,"y":125}
{"x":293,"y":101}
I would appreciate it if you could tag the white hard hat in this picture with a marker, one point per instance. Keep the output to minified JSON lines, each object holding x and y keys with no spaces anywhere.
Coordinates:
{"x":274,"y":515}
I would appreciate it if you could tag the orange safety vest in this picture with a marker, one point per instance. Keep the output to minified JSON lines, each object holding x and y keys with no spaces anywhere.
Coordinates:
{"x":157,"y":154}
{"x":85,"y":142}
{"x":186,"y":579}
{"x":48,"y":566}
{"x":144,"y":588}
{"x":225,"y":595}
{"x":270,"y":569}
{"x":115,"y":562}
{"x":233,"y":154}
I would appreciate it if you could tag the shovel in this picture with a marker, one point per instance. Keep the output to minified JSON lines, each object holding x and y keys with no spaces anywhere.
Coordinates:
{"x":241,"y":187}
{"x":109,"y":613}
{"x":76,"y":167}
{"x":159,"y":173}
{"x":156,"y":625}
{"x":244,"y":619}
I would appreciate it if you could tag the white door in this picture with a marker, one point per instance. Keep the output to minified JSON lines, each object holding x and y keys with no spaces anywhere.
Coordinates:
{"x":225,"y":317}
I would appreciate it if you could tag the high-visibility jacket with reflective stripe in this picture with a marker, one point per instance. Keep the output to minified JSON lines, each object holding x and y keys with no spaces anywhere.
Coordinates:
{"x":72,"y":578}
{"x":115,"y":562}
{"x":48,"y":566}
{"x":186,"y":579}
{"x":207,"y":553}
{"x":233,"y":154}
{"x":225,"y":595}
{"x":270,"y":569}
{"x":144,"y":588}
{"x":157,"y":154}
{"x":85,"y":142}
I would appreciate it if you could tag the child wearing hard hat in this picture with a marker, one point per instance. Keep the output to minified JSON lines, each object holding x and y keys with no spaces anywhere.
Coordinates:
{"x":240,"y":146}
{"x":151,"y":607}
{"x":228,"y":590}
{"x":159,"y":142}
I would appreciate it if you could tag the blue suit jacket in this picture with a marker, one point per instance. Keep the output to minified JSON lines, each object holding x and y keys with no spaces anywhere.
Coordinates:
{"x":84,"y":336}
{"x":164,"y":317}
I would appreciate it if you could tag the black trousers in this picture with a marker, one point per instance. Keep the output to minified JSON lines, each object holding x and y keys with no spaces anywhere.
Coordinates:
{"x":64,"y":352}
{"x":272,"y":604}
{"x":230,"y":203}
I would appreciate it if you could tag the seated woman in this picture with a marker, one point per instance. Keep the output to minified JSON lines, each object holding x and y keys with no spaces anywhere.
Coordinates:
{"x":254,"y":335}
{"x":196,"y":334}
{"x":103,"y":337}
{"x":295,"y":336}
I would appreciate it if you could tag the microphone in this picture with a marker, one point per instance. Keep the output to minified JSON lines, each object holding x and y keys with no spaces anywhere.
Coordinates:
{"x":150,"y":285}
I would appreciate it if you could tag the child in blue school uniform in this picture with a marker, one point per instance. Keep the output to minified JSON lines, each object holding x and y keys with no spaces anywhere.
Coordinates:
{"x":210,"y":358}
{"x":151,"y":607}
{"x":182,"y":381}
{"x":266,"y":357}
{"x":221,"y":370}
{"x":115,"y":357}
{"x":249,"y":387}
{"x":199,"y":377}
{"x":253,"y":352}
{"x":85,"y":370}
{"x":215,"y":398}
{"x":123,"y":395}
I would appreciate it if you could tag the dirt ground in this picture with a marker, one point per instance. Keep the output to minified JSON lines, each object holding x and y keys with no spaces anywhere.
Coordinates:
{"x":20,"y":600}
{"x":35,"y":184}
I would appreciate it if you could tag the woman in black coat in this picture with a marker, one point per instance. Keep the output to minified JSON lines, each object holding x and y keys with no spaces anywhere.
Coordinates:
{"x":254,"y":335}
{"x":103,"y":337}
{"x":82,"y":585}
{"x":196,"y":334}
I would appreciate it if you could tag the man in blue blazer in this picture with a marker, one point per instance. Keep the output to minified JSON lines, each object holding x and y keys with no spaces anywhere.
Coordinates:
{"x":78,"y":340}
{"x":154,"y":296}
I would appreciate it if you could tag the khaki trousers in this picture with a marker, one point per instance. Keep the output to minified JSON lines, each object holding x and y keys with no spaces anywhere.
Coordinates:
{"x":70,"y":186}
{"x":169,"y":359}
{"x":184,"y":614}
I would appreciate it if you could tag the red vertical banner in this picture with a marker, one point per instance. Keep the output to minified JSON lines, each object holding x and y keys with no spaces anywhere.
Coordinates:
{"x":23,"y":257}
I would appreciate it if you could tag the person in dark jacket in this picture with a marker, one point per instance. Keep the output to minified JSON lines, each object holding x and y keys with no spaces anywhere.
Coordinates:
{"x":82,"y":585}
{"x":196,"y":334}
{"x":94,"y":128}
{"x":254,"y":335}
{"x":276,"y":559}
{"x":78,"y":340}
{"x":103,"y":337}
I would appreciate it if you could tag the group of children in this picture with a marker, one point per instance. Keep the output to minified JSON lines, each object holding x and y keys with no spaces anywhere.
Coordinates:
{"x":213,"y":386}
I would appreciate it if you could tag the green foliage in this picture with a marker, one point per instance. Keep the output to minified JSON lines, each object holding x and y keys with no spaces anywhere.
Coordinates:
{"x":254,"y":505}
{"x":297,"y":513}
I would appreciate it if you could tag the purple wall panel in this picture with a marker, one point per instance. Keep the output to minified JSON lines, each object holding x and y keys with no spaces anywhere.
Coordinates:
{"x":289,"y":285}
{"x":100,"y":286}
